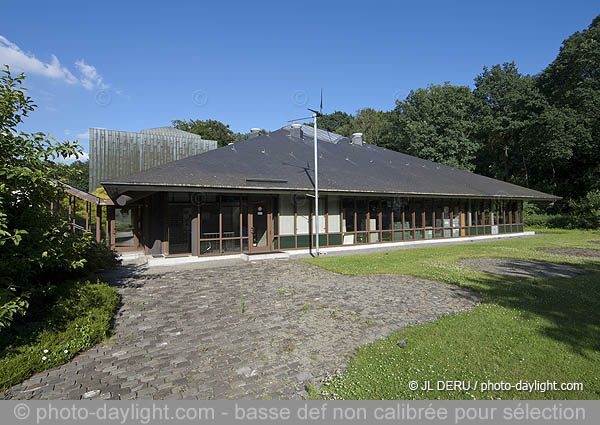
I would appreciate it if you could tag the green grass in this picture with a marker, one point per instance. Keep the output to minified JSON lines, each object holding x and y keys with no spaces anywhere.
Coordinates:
{"x":520,"y":331}
{"x":74,"y":319}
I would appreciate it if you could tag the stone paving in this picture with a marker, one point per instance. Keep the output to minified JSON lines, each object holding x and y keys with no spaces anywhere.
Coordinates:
{"x":182,"y":334}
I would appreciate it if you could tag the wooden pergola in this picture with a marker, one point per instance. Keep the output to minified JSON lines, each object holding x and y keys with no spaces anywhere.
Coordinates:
{"x":91,"y":201}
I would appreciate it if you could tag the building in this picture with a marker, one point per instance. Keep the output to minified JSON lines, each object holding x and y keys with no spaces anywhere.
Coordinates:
{"x":116,"y":153}
{"x":255,"y":196}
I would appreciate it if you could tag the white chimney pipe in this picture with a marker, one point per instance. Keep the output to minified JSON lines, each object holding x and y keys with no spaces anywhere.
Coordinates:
{"x":357,"y":139}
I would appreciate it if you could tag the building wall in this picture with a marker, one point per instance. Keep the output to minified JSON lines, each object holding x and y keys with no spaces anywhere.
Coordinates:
{"x":223,"y":221}
{"x":115,"y":153}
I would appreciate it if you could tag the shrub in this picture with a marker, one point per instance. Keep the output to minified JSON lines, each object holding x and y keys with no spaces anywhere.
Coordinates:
{"x":586,"y":211}
{"x":75,"y":317}
{"x":549,"y":221}
{"x":38,"y":249}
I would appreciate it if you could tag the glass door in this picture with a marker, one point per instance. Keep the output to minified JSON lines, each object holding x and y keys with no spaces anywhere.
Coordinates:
{"x":259,"y":218}
{"x":127,"y":228}
{"x":180,"y":228}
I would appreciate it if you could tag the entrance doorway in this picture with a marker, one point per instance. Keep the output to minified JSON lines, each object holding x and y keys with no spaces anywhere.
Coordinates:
{"x":180,"y":228}
{"x":259,"y":221}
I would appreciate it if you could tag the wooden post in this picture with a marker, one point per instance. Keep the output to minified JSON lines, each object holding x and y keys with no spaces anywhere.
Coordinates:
{"x":70,"y":210}
{"x":111,"y":218}
{"x":146,"y":226}
{"x":165,"y":204}
{"x":98,"y":223}
{"x":87,"y":216}
{"x":74,"y":219}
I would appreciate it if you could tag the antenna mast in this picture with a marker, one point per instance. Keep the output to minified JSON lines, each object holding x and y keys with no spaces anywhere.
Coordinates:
{"x":315,"y":115}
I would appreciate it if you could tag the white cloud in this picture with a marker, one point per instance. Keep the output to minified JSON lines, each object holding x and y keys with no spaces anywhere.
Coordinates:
{"x":77,"y":134}
{"x":12,"y":55}
{"x":20,"y":61}
{"x":71,"y":158}
{"x":90,"y":78}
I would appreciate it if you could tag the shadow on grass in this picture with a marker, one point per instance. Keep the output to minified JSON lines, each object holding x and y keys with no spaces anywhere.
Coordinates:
{"x":570,"y":305}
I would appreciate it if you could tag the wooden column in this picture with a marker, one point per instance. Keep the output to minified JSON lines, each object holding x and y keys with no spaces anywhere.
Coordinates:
{"x":111,"y":219}
{"x":98,"y":223}
{"x":146,"y":227}
{"x":165,"y":204}
{"x":87,"y":217}
{"x":70,"y":212}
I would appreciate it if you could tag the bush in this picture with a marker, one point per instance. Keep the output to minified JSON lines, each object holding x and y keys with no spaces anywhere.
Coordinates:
{"x":38,"y":250}
{"x":582,"y":214}
{"x":549,"y":221}
{"x":586,"y":211}
{"x":75,"y":317}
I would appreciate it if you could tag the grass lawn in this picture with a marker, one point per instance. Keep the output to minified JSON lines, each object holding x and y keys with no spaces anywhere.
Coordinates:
{"x":74,"y":319}
{"x":548,"y":330}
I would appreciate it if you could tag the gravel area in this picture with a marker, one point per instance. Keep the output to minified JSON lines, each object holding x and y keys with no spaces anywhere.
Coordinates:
{"x":521,"y":268}
{"x":574,"y":252}
{"x":182,"y":334}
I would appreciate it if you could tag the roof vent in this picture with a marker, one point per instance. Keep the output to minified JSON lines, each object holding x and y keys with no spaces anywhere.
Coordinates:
{"x":255,"y":131}
{"x":357,"y":139}
{"x":296,"y":131}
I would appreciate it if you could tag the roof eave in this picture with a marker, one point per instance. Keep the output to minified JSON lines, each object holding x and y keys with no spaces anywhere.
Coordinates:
{"x":127,"y":186}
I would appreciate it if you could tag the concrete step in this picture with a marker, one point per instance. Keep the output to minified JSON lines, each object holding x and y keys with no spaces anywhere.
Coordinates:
{"x":266,"y":256}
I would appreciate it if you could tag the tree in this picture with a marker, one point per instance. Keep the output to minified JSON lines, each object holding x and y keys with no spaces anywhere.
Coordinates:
{"x":334,"y":121}
{"x":208,"y":129}
{"x":35,"y":244}
{"x":513,"y":105}
{"x":244,"y":136}
{"x":376,"y":126}
{"x":571,"y":83}
{"x":439,"y":124}
{"x":75,"y":174}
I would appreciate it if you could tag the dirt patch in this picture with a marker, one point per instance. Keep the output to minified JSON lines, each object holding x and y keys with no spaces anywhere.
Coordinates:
{"x":574,"y":252}
{"x":521,"y":268}
{"x":598,"y":242}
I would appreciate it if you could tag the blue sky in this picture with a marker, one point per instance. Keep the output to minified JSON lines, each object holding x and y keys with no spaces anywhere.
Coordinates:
{"x":128,"y":66}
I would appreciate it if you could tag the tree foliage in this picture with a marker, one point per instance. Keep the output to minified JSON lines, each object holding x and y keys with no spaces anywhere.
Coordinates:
{"x":208,"y":129}
{"x":439,"y":123}
{"x":37,"y":247}
{"x":75,"y":174}
{"x":334,"y":121}
{"x":572,"y":85}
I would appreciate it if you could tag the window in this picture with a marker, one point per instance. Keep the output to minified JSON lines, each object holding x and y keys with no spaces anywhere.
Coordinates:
{"x":348,"y":208}
{"x":322,"y":210}
{"x":400,"y":209}
{"x":361,"y":215}
{"x":303,"y":218}
{"x":386,"y":214}
{"x":333,"y":205}
{"x":124,"y":228}
{"x":209,"y":221}
{"x":417,"y":210}
{"x":286,"y":215}
{"x":231,"y":219}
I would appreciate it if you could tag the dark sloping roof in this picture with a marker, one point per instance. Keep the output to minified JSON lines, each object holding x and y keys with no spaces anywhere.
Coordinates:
{"x":279,"y":162}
